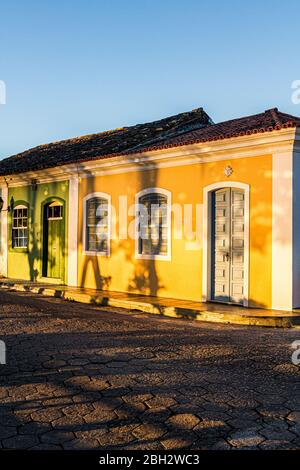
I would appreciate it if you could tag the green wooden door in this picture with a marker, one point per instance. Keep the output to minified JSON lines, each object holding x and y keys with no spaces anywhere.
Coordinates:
{"x":55,"y":234}
{"x":53,"y":241}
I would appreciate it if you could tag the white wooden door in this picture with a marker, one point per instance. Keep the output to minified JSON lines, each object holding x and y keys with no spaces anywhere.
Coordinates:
{"x":228,"y":207}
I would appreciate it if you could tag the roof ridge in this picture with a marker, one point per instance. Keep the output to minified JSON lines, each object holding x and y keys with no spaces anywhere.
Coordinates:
{"x":275,"y":116}
{"x":291,"y":116}
{"x":175,"y":131}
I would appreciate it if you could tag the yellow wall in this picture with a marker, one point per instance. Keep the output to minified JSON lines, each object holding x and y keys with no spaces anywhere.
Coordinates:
{"x":182,"y":276}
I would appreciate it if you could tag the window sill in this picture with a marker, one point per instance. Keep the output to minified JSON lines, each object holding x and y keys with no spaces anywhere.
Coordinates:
{"x":154,"y":257}
{"x":96,"y":253}
{"x":18,"y":250}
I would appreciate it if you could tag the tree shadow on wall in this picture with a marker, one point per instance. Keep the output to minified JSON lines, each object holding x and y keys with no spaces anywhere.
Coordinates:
{"x":93,"y":262}
{"x":145,"y":279}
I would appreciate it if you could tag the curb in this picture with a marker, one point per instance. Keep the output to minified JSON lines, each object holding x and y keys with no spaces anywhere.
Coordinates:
{"x":104,"y":299}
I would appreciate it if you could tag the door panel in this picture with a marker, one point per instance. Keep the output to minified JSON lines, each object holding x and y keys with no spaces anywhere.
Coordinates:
{"x":228,"y":245}
{"x":54,"y":248}
{"x":237,"y":245}
{"x":221,"y":267}
{"x":53,"y":241}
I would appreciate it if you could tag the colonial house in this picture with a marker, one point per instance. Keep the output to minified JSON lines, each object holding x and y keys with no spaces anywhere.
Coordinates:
{"x":225,"y":225}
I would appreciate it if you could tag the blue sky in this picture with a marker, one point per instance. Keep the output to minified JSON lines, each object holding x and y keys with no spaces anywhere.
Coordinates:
{"x":74,"y":67}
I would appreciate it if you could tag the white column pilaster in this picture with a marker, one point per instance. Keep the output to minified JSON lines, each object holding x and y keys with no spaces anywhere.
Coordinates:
{"x":296,"y":229}
{"x":282,"y":231}
{"x":3,"y":231}
{"x":73,"y":231}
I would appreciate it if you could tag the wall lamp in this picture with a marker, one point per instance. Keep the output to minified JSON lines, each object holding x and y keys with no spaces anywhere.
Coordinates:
{"x":9,"y":208}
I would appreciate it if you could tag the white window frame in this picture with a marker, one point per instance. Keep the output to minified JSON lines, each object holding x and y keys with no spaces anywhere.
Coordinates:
{"x":19,"y":206}
{"x":55,"y":204}
{"x":165,"y":192}
{"x":85,"y":200}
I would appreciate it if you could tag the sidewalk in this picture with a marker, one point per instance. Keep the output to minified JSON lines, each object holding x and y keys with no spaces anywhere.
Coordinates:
{"x":210,"y":312}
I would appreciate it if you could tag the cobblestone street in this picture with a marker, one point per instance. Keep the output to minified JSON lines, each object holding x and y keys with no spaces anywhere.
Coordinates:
{"x":82,"y":377}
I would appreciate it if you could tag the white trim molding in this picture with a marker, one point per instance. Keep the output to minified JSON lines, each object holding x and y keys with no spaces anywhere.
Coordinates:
{"x":296,"y":228}
{"x":207,"y":224}
{"x":3,"y":232}
{"x":282,"y":231}
{"x":85,"y":199}
{"x":165,"y":192}
{"x":73,"y":231}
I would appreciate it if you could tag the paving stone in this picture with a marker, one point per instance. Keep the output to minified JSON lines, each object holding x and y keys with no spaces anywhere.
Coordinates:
{"x":245,"y":439}
{"x":239,"y":423}
{"x":280,"y":444}
{"x":96,"y":384}
{"x":57,"y":402}
{"x":8,"y":420}
{"x":108,"y":404}
{"x":294,"y":416}
{"x":46,"y":415}
{"x":208,"y":427}
{"x":34,"y":428}
{"x":7,"y":431}
{"x":130,"y":412}
{"x":177,"y":441}
{"x":68,"y":422}
{"x":78,"y":381}
{"x":3,"y":393}
{"x":273,"y":411}
{"x":81,"y":444}
{"x":57,"y":437}
{"x":54,"y":364}
{"x":81,"y":409}
{"x":91,"y":434}
{"x":100,"y":416}
{"x":183,"y":421}
{"x":20,"y":442}
{"x":155,"y":415}
{"x":114,"y":439}
{"x":149,"y":431}
{"x":295,"y":429}
{"x":211,"y":444}
{"x":137,"y":397}
{"x":160,"y":401}
{"x":86,"y":397}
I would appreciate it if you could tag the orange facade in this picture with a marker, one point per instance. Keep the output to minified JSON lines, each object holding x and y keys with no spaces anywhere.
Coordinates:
{"x":182,"y":276}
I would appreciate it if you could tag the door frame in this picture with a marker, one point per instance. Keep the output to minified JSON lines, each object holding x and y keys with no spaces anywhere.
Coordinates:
{"x":45,"y":203}
{"x":207,"y":237}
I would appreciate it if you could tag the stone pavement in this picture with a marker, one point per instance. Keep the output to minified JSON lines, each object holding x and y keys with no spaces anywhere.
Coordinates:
{"x":83,"y":377}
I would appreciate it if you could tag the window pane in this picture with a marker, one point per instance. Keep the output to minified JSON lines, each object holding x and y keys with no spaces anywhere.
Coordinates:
{"x":55,"y":212}
{"x":153,"y":225}
{"x":97,"y":225}
{"x":19,"y":228}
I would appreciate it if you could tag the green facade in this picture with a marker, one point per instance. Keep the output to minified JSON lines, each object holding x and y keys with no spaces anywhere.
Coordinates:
{"x":46,"y":254}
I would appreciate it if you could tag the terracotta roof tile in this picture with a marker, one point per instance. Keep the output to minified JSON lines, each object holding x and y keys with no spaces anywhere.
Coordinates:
{"x":97,"y":146}
{"x":182,"y":129}
{"x":270,"y":120}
